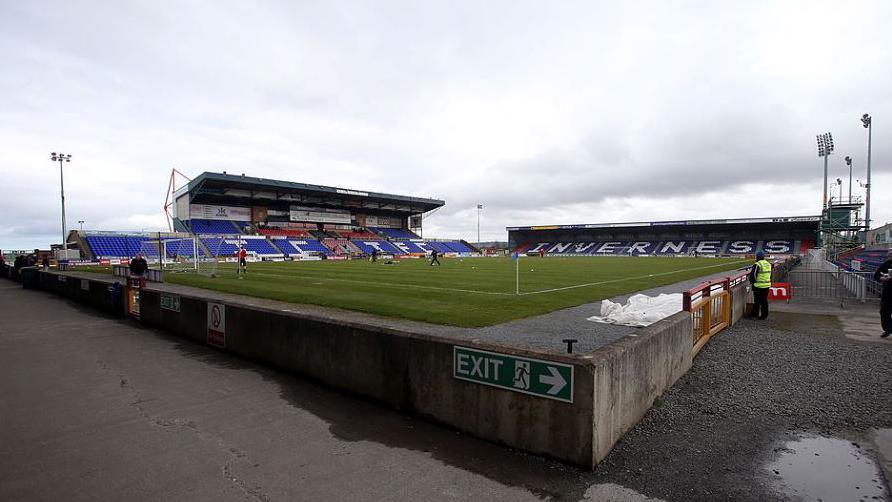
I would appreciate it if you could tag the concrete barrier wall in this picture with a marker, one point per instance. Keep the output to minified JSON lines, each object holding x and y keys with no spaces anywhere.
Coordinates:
{"x":409,"y":372}
{"x":613,"y":386}
{"x":632,"y":372}
{"x":92,"y":292}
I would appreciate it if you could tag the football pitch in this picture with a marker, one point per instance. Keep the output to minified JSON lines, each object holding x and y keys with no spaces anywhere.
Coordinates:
{"x":469,"y":292}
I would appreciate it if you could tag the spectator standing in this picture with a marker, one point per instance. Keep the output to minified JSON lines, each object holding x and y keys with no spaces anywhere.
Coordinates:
{"x":883,"y":276}
{"x":46,"y":262}
{"x":138,"y":266}
{"x":760,"y":277}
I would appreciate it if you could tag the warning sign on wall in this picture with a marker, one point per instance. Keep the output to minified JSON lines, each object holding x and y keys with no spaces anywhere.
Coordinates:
{"x":217,"y":325}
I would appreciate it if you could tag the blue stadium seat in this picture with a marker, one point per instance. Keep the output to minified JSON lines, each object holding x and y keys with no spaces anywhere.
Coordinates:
{"x":441,"y":247}
{"x":219,"y":246}
{"x":300,"y":245}
{"x":115,"y":246}
{"x":368,"y":245}
{"x":260,"y":246}
{"x":458,"y":247}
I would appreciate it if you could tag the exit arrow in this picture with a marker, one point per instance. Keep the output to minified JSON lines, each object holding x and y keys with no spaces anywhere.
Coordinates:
{"x":556,"y":381}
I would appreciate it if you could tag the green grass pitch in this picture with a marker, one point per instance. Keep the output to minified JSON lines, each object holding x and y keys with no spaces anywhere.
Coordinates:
{"x":468,"y":292}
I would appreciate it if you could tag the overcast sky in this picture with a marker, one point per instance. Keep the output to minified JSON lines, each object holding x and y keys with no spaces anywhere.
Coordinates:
{"x":545,"y":112}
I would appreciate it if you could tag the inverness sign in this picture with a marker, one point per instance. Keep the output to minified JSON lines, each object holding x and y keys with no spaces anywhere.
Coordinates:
{"x":519,"y":374}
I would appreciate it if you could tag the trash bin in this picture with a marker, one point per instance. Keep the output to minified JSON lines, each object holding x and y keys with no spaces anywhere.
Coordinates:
{"x":30,"y":277}
{"x":116,"y":296}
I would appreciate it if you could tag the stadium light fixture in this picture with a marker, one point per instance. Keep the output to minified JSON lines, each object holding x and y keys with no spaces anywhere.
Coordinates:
{"x":867,"y":122}
{"x":825,"y":148}
{"x":849,"y":163}
{"x":61,"y":158}
{"x":81,"y":225}
{"x":479,"y":210}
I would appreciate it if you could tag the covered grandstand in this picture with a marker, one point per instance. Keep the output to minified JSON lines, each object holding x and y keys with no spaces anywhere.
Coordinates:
{"x":277,"y":220}
{"x":728,"y":237}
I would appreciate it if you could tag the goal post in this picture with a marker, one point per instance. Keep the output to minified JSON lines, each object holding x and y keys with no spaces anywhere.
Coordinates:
{"x":173,"y":253}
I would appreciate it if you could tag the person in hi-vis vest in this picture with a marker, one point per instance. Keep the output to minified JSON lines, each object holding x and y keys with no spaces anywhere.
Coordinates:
{"x":760,"y":277}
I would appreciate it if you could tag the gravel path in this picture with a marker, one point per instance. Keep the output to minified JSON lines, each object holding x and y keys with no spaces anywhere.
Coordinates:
{"x":753,"y":386}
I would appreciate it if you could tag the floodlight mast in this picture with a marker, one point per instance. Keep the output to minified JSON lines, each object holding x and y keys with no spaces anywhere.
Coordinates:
{"x":825,"y":148}
{"x":479,"y":210}
{"x":867,"y":122}
{"x":61,"y":158}
{"x":849,"y":163}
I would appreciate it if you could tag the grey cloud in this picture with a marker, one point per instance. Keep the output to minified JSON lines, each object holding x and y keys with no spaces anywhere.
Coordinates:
{"x":547,"y":113}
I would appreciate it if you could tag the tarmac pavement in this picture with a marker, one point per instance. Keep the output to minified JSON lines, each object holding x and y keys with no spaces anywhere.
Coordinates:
{"x":101,"y":408}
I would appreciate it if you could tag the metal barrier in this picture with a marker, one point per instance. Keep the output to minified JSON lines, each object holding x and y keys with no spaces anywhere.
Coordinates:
{"x":710,"y":308}
{"x":831,"y":282}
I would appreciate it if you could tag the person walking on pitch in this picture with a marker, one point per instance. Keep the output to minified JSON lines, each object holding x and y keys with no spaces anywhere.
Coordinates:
{"x":434,"y":259}
{"x":760,"y":278}
{"x":884,"y":276}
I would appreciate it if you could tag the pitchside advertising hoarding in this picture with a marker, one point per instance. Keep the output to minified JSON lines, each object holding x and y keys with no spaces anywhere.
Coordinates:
{"x":209,"y":212}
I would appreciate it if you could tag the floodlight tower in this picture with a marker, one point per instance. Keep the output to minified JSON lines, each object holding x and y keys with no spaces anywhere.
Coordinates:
{"x":867,"y":123}
{"x":849,"y":163}
{"x":825,"y":148}
{"x":61,"y":158}
{"x":479,"y":210}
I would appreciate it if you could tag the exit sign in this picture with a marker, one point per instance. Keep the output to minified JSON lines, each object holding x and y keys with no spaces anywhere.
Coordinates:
{"x":518,"y":374}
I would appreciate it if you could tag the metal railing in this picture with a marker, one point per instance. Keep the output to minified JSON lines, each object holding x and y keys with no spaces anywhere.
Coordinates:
{"x":834,"y":283}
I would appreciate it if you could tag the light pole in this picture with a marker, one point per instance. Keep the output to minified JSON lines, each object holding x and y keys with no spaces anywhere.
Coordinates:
{"x":62,"y":158}
{"x":479,"y":210}
{"x":849,"y":163}
{"x":825,"y":148}
{"x":81,"y":224}
{"x":867,"y":123}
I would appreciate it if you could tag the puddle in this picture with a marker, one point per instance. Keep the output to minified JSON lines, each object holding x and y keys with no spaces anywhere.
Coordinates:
{"x":816,"y":468}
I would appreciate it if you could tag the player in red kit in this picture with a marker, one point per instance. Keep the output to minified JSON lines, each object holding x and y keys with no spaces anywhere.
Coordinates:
{"x":242,"y":262}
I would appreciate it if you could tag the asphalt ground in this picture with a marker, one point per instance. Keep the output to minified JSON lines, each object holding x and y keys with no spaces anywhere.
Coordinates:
{"x":98,"y":408}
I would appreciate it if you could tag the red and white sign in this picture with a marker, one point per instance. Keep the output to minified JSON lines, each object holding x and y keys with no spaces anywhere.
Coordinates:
{"x":217,"y":325}
{"x":780,"y":291}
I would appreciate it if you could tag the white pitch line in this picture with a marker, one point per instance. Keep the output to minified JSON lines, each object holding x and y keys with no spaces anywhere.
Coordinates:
{"x":495,"y":293}
{"x":625,"y":279}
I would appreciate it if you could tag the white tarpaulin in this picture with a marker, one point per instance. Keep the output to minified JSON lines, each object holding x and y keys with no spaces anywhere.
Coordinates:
{"x":639,"y":310}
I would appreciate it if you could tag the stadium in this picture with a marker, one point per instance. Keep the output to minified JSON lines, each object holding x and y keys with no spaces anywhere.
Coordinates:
{"x":557,"y":345}
{"x":332,"y":232}
{"x":346,"y":287}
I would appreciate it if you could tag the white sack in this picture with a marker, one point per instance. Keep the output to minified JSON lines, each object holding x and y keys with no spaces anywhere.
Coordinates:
{"x":639,"y":310}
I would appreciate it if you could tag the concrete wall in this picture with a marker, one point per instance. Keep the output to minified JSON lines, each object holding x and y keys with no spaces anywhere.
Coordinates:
{"x":613,"y":386}
{"x":632,"y":372}
{"x":407,"y":371}
{"x":92,"y":292}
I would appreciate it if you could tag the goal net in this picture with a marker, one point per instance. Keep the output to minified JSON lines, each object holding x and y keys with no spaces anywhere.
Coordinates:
{"x":173,"y":253}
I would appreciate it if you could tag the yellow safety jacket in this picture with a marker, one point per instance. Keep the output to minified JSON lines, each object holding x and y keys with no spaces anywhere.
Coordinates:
{"x":763,"y":274}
